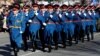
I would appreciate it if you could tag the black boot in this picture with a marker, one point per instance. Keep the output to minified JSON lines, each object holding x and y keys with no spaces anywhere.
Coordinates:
{"x":43,"y":49}
{"x":88,"y":38}
{"x":15,"y":51}
{"x":15,"y":54}
{"x":76,"y":40}
{"x":34,"y":49}
{"x":25,"y":48}
{"x":82,"y":39}
{"x":92,"y":35}
{"x":56,"y":47}
{"x":49,"y":48}
{"x":70,"y":41}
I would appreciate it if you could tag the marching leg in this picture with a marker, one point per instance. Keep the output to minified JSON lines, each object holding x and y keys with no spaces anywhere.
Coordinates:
{"x":91,"y":31}
{"x":82,"y":36}
{"x":49,"y":43}
{"x":42,"y":39}
{"x":76,"y":35}
{"x":88,"y":37}
{"x":76,"y":39}
{"x":55,"y":36}
{"x":25,"y":41}
{"x":70,"y":39}
{"x":63,"y":35}
{"x":32,"y":42}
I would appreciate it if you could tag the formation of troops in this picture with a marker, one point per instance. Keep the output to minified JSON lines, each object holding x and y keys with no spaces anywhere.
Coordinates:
{"x":43,"y":26}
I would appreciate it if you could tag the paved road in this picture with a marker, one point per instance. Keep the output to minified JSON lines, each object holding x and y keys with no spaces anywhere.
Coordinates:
{"x":91,"y":48}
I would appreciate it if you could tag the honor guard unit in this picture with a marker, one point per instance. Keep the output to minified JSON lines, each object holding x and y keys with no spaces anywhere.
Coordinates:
{"x":40,"y":26}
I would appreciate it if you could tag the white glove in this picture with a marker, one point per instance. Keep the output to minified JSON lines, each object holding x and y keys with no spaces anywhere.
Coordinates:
{"x":79,"y":13}
{"x":73,"y":14}
{"x":66,"y":14}
{"x":94,"y":13}
{"x":30,"y":21}
{"x":26,"y":14}
{"x":51,"y":16}
{"x":5,"y":17}
{"x":36,"y":14}
{"x":60,"y":15}
{"x":84,"y":14}
{"x":90,"y":13}
{"x":44,"y":24}
{"x":21,"y":32}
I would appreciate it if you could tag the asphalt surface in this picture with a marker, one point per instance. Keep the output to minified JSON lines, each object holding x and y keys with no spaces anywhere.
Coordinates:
{"x":91,"y":48}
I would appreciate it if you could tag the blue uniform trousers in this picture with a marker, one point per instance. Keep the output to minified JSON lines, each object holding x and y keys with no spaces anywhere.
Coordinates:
{"x":49,"y":31}
{"x":16,"y":36}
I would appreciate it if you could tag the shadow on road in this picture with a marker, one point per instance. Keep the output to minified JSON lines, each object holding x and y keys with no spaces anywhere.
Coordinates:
{"x":87,"y":47}
{"x":5,"y":50}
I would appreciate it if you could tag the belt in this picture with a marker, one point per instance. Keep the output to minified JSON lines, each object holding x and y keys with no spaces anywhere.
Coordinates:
{"x":56,"y":22}
{"x":75,"y":21}
{"x":83,"y":20}
{"x":69,"y":21}
{"x":35,"y":22}
{"x":15,"y":27}
{"x":50,"y":23}
{"x":88,"y":20}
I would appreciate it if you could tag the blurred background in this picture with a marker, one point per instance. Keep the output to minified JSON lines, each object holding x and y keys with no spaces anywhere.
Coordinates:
{"x":68,"y":2}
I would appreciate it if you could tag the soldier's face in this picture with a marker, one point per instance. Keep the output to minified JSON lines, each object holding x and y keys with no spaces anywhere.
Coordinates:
{"x":35,"y":8}
{"x":64,"y":10}
{"x":88,"y":9}
{"x":43,"y":9}
{"x":58,"y":9}
{"x":26,"y":10}
{"x":15,"y":12}
{"x":77,"y":9}
{"x":69,"y":10}
{"x":92,"y":9}
{"x":81,"y":9}
{"x":50,"y":10}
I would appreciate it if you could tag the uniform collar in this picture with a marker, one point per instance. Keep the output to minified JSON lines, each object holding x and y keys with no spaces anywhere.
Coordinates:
{"x":16,"y":14}
{"x":51,"y":12}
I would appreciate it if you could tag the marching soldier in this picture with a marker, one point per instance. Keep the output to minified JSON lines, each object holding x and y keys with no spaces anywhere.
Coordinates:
{"x":26,"y":10}
{"x":83,"y":26}
{"x":43,"y":14}
{"x":64,"y":25}
{"x":50,"y":26}
{"x":87,"y":22}
{"x":35,"y":24}
{"x":94,"y":16}
{"x":92,"y":23}
{"x":16,"y":24}
{"x":77,"y":22}
{"x":70,"y":29}
{"x":57,"y":34}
